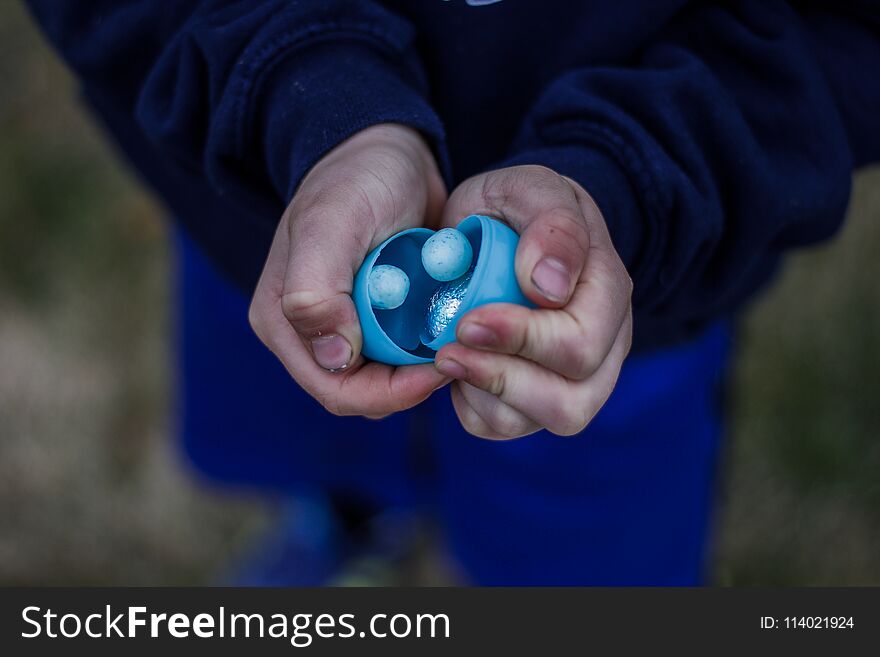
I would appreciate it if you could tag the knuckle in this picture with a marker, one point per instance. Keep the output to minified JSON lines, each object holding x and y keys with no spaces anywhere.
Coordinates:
{"x":495,"y":384}
{"x":327,"y":402}
{"x":505,"y":423}
{"x":470,"y":420}
{"x":544,"y":173}
{"x":496,"y":190}
{"x":522,"y":337}
{"x":628,"y":282}
{"x":502,"y":187}
{"x":581,"y":358}
{"x":255,"y":318}
{"x":300,"y":305}
{"x":546,"y":180}
{"x":485,"y":433}
{"x":570,"y":428}
{"x":570,"y":422}
{"x":472,"y":424}
{"x":624,"y":281}
{"x":537,"y":175}
{"x":629,"y":340}
{"x":333,"y":405}
{"x":473,"y":427}
{"x":586,"y":363}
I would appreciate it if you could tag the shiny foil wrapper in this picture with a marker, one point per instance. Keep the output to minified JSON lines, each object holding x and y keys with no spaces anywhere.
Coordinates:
{"x":444,"y":305}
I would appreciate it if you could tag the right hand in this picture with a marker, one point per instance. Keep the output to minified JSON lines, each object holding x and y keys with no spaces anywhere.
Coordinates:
{"x":380,"y":181}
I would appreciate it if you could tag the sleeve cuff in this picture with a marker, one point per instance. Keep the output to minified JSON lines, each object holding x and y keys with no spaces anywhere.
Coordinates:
{"x":606,"y":182}
{"x":319,"y":97}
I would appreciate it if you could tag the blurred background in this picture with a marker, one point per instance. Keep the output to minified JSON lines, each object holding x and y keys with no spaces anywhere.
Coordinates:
{"x":91,"y":486}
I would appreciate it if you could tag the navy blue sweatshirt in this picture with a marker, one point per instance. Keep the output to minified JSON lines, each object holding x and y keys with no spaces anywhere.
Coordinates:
{"x":713,"y":136}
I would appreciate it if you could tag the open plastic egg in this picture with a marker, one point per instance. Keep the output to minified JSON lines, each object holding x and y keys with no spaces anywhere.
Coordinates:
{"x":409,"y":334}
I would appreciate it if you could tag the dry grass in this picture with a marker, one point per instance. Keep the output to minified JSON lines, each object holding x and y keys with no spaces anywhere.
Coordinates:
{"x":90,"y":488}
{"x":803,"y":492}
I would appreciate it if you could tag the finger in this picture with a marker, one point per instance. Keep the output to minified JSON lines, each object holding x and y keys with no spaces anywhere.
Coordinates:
{"x":316,"y":295}
{"x":472,"y":412}
{"x":472,"y":421}
{"x":371,"y":389}
{"x":378,"y":390}
{"x":541,"y":395}
{"x":543,"y":208}
{"x":267,"y":295}
{"x":364,"y":389}
{"x":562,"y":406}
{"x":573,"y":341}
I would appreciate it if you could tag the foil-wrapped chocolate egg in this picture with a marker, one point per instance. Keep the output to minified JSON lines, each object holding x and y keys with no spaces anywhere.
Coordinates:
{"x":444,"y":305}
{"x":447,"y":255}
{"x":387,"y":286}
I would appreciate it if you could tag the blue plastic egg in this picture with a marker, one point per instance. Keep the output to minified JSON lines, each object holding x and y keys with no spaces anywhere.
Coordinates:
{"x":413,"y":332}
{"x":447,"y":255}
{"x":387,"y":287}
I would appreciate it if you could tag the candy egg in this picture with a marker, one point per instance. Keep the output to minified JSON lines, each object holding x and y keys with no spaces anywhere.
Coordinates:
{"x":447,"y":255}
{"x":387,"y":286}
{"x":444,"y":305}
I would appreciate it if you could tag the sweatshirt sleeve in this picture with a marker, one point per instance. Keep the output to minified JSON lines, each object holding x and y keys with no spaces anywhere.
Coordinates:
{"x":729,"y":140}
{"x":249,"y":93}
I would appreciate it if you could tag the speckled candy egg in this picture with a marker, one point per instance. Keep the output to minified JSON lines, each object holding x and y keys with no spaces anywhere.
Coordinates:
{"x":447,"y":255}
{"x":387,"y":286}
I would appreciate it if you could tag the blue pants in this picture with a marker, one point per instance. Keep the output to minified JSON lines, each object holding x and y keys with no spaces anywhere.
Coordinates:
{"x":628,"y":501}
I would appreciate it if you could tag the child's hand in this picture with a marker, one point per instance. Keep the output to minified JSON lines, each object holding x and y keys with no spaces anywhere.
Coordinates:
{"x":519,"y":370}
{"x":381,"y":181}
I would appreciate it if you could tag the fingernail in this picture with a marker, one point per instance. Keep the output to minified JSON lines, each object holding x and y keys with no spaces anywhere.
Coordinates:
{"x":552,"y":279}
{"x":332,"y":352}
{"x":451,"y":368}
{"x":476,"y":335}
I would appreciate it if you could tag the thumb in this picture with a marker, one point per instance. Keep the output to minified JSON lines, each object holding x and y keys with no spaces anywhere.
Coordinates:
{"x":323,"y":258}
{"x":553,"y":248}
{"x":543,"y":207}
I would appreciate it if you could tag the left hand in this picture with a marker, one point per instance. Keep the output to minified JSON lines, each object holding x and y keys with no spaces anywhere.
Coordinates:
{"x":519,"y":370}
{"x":379,"y":181}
